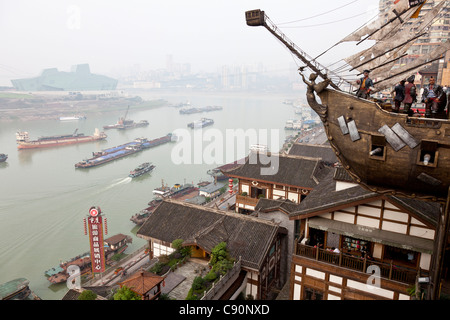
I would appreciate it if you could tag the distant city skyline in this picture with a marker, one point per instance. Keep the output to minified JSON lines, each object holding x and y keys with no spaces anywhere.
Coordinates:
{"x":114,"y":35}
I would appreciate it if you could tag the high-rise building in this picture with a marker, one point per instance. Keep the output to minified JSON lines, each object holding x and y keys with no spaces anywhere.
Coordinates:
{"x":439,"y":31}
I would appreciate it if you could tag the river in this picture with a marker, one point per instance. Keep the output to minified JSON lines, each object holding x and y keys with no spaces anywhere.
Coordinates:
{"x":44,"y":198}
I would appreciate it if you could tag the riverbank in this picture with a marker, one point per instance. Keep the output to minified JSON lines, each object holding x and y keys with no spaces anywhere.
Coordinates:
{"x":28,"y":107}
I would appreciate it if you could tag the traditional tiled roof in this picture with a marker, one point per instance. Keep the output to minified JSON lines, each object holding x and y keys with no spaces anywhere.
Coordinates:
{"x":290,"y":170}
{"x":266,"y":205}
{"x":102,"y":292}
{"x":325,"y":197}
{"x":116,"y":238}
{"x":141,"y":282}
{"x":324,"y":152}
{"x":247,"y":237}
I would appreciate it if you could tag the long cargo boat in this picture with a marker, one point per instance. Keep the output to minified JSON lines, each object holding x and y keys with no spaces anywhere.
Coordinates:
{"x":24,"y":142}
{"x":123,"y":151}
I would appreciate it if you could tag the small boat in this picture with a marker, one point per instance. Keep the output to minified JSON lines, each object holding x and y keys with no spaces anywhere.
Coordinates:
{"x":3,"y":157}
{"x":201,"y":123}
{"x":141,"y":169}
{"x":123,"y":123}
{"x":17,"y":289}
{"x":72,"y":118}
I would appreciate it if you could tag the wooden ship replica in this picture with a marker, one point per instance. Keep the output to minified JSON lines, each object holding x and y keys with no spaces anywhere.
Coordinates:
{"x":383,"y":151}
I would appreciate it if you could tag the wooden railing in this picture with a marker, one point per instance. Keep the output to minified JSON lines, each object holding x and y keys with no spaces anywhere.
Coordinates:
{"x":387,"y":270}
{"x":246,"y":200}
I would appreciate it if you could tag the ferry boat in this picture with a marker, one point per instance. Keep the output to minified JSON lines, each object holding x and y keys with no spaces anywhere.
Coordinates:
{"x":3,"y":157}
{"x":141,"y":169}
{"x":201,"y":123}
{"x":24,"y":142}
{"x":385,"y":152}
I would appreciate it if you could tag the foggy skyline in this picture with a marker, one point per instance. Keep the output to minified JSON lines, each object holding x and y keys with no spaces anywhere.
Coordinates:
{"x":115,"y":35}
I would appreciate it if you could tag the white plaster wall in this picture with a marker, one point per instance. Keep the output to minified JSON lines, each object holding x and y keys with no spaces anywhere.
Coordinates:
{"x":341,"y":185}
{"x":421,"y":232}
{"x":425,"y":261}
{"x":394,"y":227}
{"x":368,"y":222}
{"x":344,"y":217}
{"x":397,"y":216}
{"x":370,"y":289}
{"x":369,"y":211}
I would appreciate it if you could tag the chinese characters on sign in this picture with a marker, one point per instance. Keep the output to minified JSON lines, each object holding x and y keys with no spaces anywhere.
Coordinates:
{"x":95,"y":229}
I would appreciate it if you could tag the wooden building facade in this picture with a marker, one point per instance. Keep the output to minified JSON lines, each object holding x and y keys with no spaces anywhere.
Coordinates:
{"x":384,"y":244}
{"x":293,"y":178}
{"x":255,"y":241}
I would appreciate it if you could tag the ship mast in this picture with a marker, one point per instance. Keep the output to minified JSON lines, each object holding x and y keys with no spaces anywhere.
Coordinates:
{"x":258,"y":18}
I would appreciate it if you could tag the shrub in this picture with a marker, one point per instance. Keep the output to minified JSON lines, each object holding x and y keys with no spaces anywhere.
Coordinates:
{"x":198,"y":284}
{"x":176,"y":244}
{"x":157,"y":268}
{"x":126,"y":293}
{"x":211,"y":276}
{"x":87,"y":295}
{"x":219,"y":252}
{"x":222,"y":266}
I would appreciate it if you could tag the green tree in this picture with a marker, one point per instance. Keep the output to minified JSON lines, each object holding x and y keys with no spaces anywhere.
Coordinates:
{"x":87,"y":295}
{"x":177,"y":243}
{"x":126,"y":293}
{"x":218,"y":253}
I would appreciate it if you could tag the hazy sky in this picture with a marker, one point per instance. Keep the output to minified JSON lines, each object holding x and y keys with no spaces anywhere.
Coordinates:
{"x":117,"y":34}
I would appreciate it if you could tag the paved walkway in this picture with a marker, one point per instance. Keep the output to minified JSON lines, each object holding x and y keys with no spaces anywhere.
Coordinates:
{"x":185,"y":275}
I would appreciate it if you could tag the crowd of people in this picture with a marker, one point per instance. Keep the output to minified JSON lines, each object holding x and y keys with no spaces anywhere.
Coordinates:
{"x":433,"y":96}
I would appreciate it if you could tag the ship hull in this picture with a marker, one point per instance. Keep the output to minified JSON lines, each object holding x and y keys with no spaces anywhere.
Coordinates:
{"x":57,"y":142}
{"x":356,"y":126}
{"x":121,"y":151}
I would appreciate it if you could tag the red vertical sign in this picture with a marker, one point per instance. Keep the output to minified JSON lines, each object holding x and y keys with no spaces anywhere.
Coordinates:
{"x":95,"y":226}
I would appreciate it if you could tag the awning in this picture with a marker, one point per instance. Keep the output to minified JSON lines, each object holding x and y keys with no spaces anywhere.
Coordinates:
{"x":373,"y":235}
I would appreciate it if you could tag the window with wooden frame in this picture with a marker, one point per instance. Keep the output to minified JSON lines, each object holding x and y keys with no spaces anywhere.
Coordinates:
{"x":377,"y":147}
{"x":312,"y":294}
{"x":428,"y":153}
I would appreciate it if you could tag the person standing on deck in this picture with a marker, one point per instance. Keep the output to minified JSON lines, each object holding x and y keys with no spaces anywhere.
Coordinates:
{"x":399,"y":92}
{"x":435,"y":100}
{"x":365,"y":85}
{"x":410,"y":95}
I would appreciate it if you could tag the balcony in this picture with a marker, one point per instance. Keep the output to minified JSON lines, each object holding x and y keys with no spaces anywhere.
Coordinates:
{"x":246,"y":200}
{"x":388,"y":271}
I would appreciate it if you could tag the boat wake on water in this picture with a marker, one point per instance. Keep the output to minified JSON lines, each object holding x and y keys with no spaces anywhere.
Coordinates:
{"x":118,"y":182}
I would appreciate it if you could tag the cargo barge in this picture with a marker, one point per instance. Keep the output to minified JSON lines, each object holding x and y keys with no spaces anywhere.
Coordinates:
{"x":24,"y":142}
{"x":123,"y":151}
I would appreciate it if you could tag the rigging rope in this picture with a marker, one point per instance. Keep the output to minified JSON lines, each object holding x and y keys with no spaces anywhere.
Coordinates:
{"x":325,"y":23}
{"x":320,"y":14}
